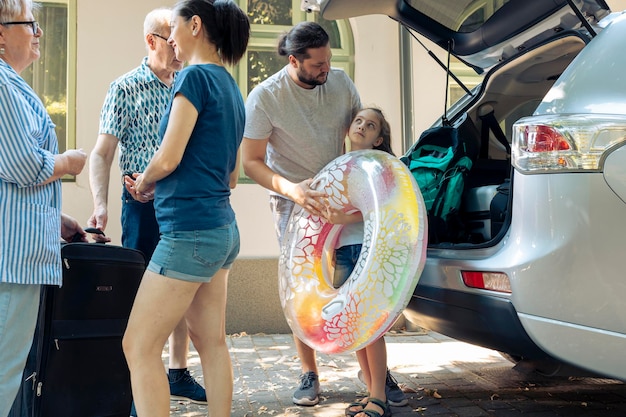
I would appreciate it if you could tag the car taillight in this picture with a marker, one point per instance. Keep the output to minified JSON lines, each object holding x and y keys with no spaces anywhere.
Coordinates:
{"x":545,"y":139}
{"x":494,"y":281}
{"x":575,"y":142}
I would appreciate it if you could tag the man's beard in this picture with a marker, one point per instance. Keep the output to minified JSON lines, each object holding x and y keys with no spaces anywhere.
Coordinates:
{"x":303,"y":78}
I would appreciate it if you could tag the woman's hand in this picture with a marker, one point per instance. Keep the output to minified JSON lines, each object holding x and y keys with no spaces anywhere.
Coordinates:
{"x":71,"y":230}
{"x":141,"y":190}
{"x":74,"y":161}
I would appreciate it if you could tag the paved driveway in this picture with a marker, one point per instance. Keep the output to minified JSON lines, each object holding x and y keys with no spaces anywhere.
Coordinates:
{"x":441,"y":377}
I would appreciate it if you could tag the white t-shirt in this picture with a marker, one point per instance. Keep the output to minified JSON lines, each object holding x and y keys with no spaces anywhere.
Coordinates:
{"x":306,"y":127}
{"x":351,"y":234}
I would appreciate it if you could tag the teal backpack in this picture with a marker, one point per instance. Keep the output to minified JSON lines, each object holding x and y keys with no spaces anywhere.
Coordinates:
{"x":440,"y":163}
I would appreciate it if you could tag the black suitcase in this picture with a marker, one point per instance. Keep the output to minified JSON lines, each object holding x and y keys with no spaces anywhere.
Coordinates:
{"x":76,"y":366}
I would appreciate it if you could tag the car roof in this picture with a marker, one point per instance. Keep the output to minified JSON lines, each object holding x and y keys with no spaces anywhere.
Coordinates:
{"x":482,"y":34}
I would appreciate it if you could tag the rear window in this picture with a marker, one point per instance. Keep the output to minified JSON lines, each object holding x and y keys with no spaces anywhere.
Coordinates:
{"x":458,"y":15}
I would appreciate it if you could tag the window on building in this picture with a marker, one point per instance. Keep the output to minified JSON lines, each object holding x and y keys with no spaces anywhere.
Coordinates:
{"x":270,"y":18}
{"x":52,"y":76}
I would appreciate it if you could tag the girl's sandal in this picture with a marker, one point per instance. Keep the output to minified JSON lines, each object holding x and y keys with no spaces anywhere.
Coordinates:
{"x":384,"y":405}
{"x":362,"y":403}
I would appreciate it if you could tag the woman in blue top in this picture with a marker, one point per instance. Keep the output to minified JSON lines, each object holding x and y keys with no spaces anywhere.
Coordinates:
{"x":190,"y":177}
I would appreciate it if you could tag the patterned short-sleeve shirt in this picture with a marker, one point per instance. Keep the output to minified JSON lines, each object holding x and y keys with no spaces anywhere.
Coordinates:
{"x":132,"y":110}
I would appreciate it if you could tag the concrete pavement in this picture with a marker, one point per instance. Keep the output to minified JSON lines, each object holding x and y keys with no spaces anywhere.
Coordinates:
{"x":440,"y":376}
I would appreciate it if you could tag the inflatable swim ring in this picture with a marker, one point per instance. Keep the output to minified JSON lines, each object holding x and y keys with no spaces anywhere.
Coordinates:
{"x":392,"y":257}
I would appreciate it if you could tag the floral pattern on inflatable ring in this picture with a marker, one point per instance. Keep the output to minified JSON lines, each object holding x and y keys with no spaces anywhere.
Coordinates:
{"x":387,"y":271}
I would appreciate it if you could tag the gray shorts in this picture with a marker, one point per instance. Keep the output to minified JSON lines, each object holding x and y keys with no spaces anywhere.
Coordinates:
{"x":281,"y":210}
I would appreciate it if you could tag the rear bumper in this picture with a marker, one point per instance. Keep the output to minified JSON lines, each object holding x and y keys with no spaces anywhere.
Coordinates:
{"x":479,"y":319}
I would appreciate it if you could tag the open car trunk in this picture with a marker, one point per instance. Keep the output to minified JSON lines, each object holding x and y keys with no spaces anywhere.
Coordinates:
{"x":520,"y":47}
{"x":509,"y":91}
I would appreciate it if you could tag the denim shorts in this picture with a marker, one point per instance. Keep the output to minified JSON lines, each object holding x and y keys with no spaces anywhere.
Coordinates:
{"x":196,"y":255}
{"x":345,"y":260}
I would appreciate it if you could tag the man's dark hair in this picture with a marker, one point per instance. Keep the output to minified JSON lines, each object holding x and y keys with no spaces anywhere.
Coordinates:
{"x":300,"y":38}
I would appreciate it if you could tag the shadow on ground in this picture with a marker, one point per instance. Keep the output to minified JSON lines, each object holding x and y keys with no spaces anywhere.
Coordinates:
{"x":440,"y":376}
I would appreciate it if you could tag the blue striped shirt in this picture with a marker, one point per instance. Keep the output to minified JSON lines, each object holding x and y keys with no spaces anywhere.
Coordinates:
{"x":30,"y":213}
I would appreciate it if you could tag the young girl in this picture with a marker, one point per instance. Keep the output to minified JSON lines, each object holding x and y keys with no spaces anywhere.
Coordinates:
{"x":369,"y":130}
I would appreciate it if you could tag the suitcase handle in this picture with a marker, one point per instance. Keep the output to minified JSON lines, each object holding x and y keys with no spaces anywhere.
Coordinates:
{"x":78,"y":237}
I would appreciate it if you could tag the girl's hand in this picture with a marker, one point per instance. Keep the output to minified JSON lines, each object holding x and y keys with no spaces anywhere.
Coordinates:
{"x":335,"y":215}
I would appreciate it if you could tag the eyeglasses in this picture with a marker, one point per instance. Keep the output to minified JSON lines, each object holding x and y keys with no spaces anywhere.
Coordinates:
{"x":33,"y":23}
{"x":159,"y":36}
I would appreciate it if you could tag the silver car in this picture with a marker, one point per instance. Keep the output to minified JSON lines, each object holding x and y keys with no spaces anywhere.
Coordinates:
{"x":536,"y":269}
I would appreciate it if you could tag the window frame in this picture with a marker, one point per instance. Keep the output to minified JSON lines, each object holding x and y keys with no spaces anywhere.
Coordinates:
{"x":263,"y":39}
{"x":69,"y":141}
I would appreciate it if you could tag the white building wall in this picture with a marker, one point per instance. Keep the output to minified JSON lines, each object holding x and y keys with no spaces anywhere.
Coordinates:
{"x":110,"y":43}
